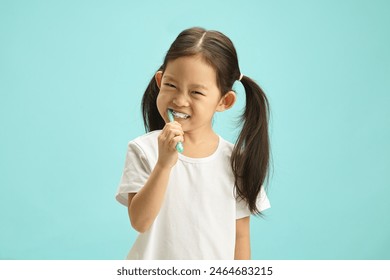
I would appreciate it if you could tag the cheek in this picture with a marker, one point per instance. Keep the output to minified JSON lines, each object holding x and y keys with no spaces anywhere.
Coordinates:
{"x":159,"y":103}
{"x":163,"y":98}
{"x":162,"y":103}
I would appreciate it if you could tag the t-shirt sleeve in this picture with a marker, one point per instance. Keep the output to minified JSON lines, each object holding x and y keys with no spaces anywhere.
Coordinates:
{"x":135,"y":173}
{"x":262,"y":204}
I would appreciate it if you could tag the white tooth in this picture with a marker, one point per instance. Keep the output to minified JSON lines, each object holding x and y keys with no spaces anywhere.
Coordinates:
{"x":180,"y":115}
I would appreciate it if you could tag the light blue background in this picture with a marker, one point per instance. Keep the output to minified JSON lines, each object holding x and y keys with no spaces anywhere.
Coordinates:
{"x":72,"y":74}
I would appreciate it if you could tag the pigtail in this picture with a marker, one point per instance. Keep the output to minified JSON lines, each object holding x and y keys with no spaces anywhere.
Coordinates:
{"x":151,"y":116}
{"x":250,"y":156}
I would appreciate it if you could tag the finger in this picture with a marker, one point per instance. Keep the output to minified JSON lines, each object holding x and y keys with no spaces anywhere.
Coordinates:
{"x":173,"y":142}
{"x":162,"y":136}
{"x":173,"y":133}
{"x":170,"y":130}
{"x":175,"y":125}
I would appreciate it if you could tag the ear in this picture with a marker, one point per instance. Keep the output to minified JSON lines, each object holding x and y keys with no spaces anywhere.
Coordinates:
{"x":158,"y":77}
{"x":227,"y":101}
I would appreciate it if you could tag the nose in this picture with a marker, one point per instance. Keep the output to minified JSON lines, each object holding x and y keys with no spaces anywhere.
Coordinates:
{"x":181,"y":100}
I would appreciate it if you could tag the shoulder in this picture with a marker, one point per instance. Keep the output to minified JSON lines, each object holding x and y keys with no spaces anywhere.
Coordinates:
{"x":147,"y":139}
{"x":146,"y":144}
{"x":225,"y":147}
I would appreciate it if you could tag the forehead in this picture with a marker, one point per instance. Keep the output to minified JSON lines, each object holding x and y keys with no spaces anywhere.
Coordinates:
{"x":192,"y":69}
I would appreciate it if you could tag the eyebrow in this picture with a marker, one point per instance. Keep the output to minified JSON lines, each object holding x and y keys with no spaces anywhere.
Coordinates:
{"x":198,"y":86}
{"x":191,"y":85}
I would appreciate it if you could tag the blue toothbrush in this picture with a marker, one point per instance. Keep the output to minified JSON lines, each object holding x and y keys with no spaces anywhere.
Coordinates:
{"x":179,"y":146}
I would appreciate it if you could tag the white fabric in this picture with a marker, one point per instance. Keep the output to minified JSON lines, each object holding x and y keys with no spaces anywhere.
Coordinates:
{"x":198,"y":216}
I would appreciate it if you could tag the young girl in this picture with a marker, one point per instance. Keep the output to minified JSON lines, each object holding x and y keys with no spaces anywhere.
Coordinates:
{"x":196,"y":204}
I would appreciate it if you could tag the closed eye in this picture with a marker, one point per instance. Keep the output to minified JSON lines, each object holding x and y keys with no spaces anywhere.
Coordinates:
{"x":170,"y":85}
{"x":197,"y":92}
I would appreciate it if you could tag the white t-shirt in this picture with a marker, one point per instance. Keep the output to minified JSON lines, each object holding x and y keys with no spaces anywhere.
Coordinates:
{"x":197,"y":219}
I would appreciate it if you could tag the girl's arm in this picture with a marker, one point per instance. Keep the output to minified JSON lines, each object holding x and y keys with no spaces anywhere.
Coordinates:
{"x":243,"y":248}
{"x":144,"y":206}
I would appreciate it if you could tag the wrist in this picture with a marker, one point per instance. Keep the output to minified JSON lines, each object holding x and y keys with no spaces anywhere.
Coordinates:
{"x":162,"y":167}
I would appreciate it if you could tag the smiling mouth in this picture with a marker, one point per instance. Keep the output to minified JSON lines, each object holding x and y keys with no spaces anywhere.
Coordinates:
{"x":179,"y":115}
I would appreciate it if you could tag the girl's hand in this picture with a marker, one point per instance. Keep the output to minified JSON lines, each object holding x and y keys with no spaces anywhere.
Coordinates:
{"x":171,"y":134}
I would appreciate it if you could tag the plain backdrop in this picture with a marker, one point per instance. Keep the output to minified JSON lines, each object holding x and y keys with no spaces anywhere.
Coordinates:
{"x":72,"y":75}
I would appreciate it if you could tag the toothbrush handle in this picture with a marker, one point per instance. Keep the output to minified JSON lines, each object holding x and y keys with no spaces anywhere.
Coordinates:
{"x":179,"y":145}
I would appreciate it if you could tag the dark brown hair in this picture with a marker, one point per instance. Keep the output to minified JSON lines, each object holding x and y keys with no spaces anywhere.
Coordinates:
{"x":250,"y":156}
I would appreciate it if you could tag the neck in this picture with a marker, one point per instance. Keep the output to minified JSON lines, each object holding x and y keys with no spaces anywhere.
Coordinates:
{"x":198,"y":145}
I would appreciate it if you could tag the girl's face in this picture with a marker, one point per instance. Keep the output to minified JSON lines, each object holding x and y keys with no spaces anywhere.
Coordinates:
{"x":189,"y":87}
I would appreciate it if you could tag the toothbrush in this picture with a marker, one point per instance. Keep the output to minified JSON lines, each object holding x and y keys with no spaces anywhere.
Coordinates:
{"x":179,"y":145}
